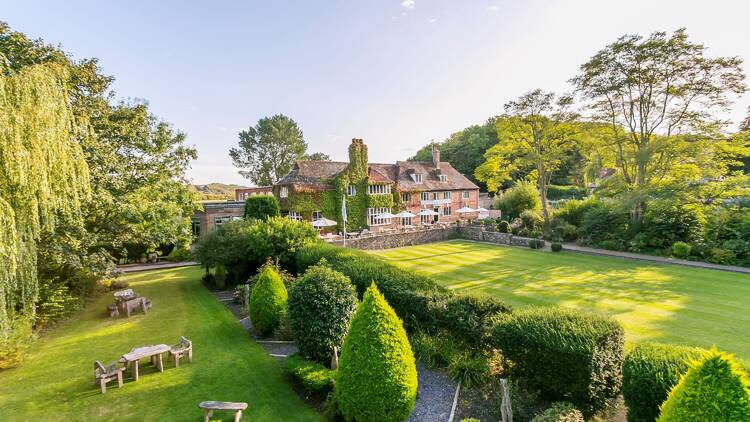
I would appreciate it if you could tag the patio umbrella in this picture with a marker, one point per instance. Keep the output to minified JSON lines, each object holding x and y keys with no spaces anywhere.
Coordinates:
{"x":427,"y":212}
{"x":405,"y":214}
{"x":323,"y":222}
{"x":482,"y":209}
{"x":385,"y":215}
{"x":465,"y":209}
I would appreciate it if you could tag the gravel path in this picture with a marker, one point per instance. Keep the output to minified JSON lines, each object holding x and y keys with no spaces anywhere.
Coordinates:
{"x":436,"y":389}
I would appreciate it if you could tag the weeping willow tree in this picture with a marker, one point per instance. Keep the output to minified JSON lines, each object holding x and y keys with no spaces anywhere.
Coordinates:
{"x":43,"y":176}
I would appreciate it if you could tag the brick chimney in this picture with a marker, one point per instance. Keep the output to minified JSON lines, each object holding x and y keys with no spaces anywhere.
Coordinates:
{"x":436,"y":156}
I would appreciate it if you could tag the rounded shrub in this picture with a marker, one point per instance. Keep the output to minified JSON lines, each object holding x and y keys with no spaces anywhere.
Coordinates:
{"x":504,"y":227}
{"x":522,"y":196}
{"x":261,"y":207}
{"x":377,"y":375}
{"x":320,"y":306}
{"x":536,"y":243}
{"x":267,"y":305}
{"x":681,"y":250}
{"x":560,"y":412}
{"x":649,"y":371}
{"x":556,"y":246}
{"x":713,"y":389}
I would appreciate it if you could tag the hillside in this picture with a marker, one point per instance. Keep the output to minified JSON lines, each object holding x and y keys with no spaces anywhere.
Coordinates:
{"x":216,"y":191}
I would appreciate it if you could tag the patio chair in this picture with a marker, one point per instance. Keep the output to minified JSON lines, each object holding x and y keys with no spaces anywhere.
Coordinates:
{"x":104,"y":374}
{"x":181,"y":349}
{"x":112,"y":310}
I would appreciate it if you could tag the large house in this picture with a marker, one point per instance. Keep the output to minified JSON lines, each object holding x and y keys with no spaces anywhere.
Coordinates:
{"x":315,"y":189}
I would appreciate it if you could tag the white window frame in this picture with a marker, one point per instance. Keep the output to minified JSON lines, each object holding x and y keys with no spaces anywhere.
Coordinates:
{"x":417,"y":177}
{"x":424,"y":196}
{"x":447,"y":194}
{"x":435,"y":196}
{"x":372,"y":212}
{"x":294,"y":215}
{"x":405,"y":197}
{"x":425,"y":219}
{"x":351,"y":190}
{"x":283,"y":192}
{"x":446,"y":211}
{"x":443,"y":177}
{"x":406,"y":221}
{"x":316,"y":215}
{"x":379,"y":189}
{"x":466,"y":194}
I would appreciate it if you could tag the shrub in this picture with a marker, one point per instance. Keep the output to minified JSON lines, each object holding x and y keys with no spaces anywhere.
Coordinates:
{"x":180,"y":254}
{"x":377,"y":376}
{"x":648,"y":373}
{"x":536,"y":243}
{"x":312,"y":376}
{"x":471,"y":317}
{"x":531,"y":220}
{"x":565,"y":231}
{"x":321,"y":304}
{"x":722,"y":256}
{"x":571,"y":212}
{"x":713,"y":389}
{"x":468,"y":368}
{"x":669,"y":221}
{"x":15,"y":339}
{"x":556,"y":246}
{"x":279,"y":238}
{"x":681,"y":250}
{"x":118,"y":284}
{"x":522,"y":196}
{"x":261,"y":207}
{"x":565,"y":354}
{"x":560,"y":412}
{"x":557,"y":192}
{"x":434,"y":350}
{"x":227,"y":246}
{"x":267,"y":304}
{"x":220,"y":277}
{"x":604,"y":222}
{"x":504,"y":227}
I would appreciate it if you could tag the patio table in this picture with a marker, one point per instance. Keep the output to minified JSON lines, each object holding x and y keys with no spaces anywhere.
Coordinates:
{"x":124,"y":294}
{"x":154,"y":352}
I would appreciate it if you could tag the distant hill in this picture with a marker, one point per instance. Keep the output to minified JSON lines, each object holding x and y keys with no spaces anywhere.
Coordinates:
{"x":216,"y":191}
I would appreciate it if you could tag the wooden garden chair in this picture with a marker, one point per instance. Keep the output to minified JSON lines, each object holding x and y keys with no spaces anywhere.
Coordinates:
{"x":104,"y":374}
{"x":181,"y":349}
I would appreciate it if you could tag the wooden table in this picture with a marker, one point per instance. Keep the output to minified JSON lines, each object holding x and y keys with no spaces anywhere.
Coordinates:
{"x":154,"y":352}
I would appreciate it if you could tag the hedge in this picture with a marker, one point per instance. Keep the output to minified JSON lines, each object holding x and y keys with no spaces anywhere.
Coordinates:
{"x":566,"y":355}
{"x":320,"y":305}
{"x":377,"y":375}
{"x":713,"y":389}
{"x":261,"y":207}
{"x":267,"y":304}
{"x":648,"y":373}
{"x":417,"y":299}
{"x":313,"y":377}
{"x":560,"y":412}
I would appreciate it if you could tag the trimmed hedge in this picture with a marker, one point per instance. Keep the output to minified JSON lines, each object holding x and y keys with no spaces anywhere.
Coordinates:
{"x":417,"y":299}
{"x":648,"y":373}
{"x":267,"y":305}
{"x":556,"y":246}
{"x":377,"y":375}
{"x":313,"y":377}
{"x":713,"y":389}
{"x":261,"y":207}
{"x":567,"y":355}
{"x":320,"y":305}
{"x":560,"y":412}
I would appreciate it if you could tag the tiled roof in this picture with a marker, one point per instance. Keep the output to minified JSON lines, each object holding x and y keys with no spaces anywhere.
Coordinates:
{"x":381,"y":173}
{"x":312,"y":175}
{"x":430,"y":179}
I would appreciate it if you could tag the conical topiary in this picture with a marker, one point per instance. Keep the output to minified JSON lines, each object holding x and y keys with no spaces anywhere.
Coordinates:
{"x":267,"y":304}
{"x":713,"y":389}
{"x":377,"y":376}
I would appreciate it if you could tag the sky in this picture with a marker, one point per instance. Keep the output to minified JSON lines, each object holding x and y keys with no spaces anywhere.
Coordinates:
{"x":396,"y":73}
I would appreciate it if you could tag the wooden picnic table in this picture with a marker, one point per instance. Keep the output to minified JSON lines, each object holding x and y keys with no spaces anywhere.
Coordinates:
{"x":154,"y":352}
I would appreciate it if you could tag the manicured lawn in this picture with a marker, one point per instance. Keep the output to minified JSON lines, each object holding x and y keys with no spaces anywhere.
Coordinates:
{"x":665,"y":303}
{"x":55,"y":383}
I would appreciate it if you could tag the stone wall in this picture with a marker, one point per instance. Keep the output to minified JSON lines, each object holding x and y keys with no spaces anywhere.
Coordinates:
{"x":397,"y":240}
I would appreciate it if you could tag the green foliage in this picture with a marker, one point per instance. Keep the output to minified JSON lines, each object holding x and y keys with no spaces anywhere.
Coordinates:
{"x":228,"y":245}
{"x":220,"y":277}
{"x":504,"y":227}
{"x":560,"y":412}
{"x":604,"y":223}
{"x":261,"y":207}
{"x":521,"y":197}
{"x":180,"y":253}
{"x":15,"y":338}
{"x":565,"y":231}
{"x":681,"y":250}
{"x":267,"y":151}
{"x":279,"y":238}
{"x":713,"y":389}
{"x":648,"y":374}
{"x":536,"y":243}
{"x":556,"y":246}
{"x":321,"y":304}
{"x":669,"y":221}
{"x":557,"y":192}
{"x":313,"y":377}
{"x":565,"y":354}
{"x":572,"y":211}
{"x":436,"y":350}
{"x":469,"y":368}
{"x":471,"y":317}
{"x":722,"y":256}
{"x":470,"y":420}
{"x":531,"y":220}
{"x":267,"y":305}
{"x":377,"y":376}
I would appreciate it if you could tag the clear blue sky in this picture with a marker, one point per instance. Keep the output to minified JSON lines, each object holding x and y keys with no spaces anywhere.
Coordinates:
{"x":396,"y":73}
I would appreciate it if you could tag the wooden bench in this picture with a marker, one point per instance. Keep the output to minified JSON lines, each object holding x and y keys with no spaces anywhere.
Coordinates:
{"x":210,"y":406}
{"x":104,"y":374}
{"x":181,"y":349}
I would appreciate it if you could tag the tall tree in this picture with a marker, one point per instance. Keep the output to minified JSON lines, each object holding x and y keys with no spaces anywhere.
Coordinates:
{"x":43,"y":176}
{"x":317,"y":156}
{"x":656,"y":88}
{"x":267,"y":151}
{"x":536,"y":132}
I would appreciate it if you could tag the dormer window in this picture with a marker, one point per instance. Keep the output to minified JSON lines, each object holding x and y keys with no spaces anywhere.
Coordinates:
{"x":283,"y":192}
{"x":417,"y":177}
{"x":443,"y":178}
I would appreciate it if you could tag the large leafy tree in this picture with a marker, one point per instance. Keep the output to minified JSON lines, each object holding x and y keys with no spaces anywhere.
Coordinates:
{"x":659,"y":94}
{"x":267,"y":150}
{"x":536,"y":132}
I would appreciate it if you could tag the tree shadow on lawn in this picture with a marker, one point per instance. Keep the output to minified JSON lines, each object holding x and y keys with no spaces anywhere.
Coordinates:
{"x":652,"y":304}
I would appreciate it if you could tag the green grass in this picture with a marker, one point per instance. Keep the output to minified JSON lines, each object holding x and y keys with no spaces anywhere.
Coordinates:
{"x":55,"y":382}
{"x":664,"y":303}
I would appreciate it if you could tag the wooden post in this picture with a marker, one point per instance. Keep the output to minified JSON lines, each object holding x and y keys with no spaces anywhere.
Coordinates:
{"x":161,"y":363}
{"x":135,"y":370}
{"x":335,"y":359}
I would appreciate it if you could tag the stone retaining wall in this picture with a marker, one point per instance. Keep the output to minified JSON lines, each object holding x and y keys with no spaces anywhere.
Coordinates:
{"x":397,"y":240}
